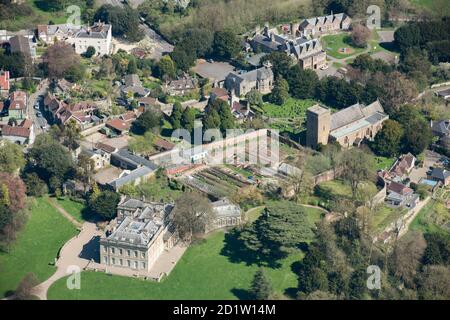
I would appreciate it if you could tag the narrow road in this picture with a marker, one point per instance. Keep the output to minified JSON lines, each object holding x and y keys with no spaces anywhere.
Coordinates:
{"x":38,"y":122}
{"x":72,"y":256}
{"x":408,"y":221}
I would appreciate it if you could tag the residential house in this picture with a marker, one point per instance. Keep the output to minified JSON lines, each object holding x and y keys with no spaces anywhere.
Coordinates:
{"x":4,"y":84}
{"x":105,"y":147}
{"x":63,"y":86}
{"x":118,"y":126}
{"x":399,"y":195}
{"x":324,"y":25}
{"x":18,"y":105}
{"x":57,"y":32}
{"x":440,"y":174}
{"x":22,"y":45}
{"x":307,"y":52}
{"x":181,"y":86}
{"x":261,"y":79}
{"x":218,"y":93}
{"x":98,"y":36}
{"x":140,"y":234}
{"x":22,"y":134}
{"x":441,"y":129}
{"x":149,"y":103}
{"x":349,"y":127}
{"x":226,"y":214}
{"x":445,"y":94}
{"x":402,"y":167}
{"x":100,"y":158}
{"x":132,"y":86}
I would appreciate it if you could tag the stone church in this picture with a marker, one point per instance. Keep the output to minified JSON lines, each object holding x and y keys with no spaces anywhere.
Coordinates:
{"x":349,"y":127}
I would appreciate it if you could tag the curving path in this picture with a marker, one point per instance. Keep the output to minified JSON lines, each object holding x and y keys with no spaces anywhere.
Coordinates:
{"x":70,"y":255}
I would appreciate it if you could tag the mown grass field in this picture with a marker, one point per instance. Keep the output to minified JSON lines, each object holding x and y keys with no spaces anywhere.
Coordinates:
{"x":432,"y":218}
{"x":333,"y":43}
{"x":36,"y":247}
{"x":204,"y":272}
{"x":39,"y":16}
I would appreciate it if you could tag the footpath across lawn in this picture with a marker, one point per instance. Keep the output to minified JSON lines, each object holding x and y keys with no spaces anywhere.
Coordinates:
{"x":36,"y":247}
{"x":74,"y":208}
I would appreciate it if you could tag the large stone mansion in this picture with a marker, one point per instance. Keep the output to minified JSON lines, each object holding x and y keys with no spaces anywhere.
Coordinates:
{"x":139,"y":235}
{"x":307,"y":52}
{"x":349,"y":127}
{"x":143,"y":230}
{"x":261,"y":79}
{"x":324,"y":25}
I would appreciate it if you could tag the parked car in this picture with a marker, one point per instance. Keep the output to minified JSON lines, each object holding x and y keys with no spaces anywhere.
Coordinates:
{"x":325,"y":67}
{"x":39,"y":114}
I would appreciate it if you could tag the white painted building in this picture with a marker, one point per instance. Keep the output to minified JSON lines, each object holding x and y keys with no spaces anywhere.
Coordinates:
{"x":98,"y":36}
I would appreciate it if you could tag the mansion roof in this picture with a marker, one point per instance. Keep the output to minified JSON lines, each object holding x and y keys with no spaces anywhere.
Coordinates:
{"x":141,"y":221}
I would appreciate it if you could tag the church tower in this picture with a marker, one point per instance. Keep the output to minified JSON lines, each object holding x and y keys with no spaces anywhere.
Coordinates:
{"x":318,"y":122}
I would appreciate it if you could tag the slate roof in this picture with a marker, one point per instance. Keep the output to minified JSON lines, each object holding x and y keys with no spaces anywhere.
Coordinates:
{"x":441,"y":127}
{"x":254,"y":75}
{"x":20,"y":44}
{"x":97,"y":31}
{"x":131,"y":177}
{"x":370,"y":113}
{"x":440,"y":174}
{"x":133,"y":159}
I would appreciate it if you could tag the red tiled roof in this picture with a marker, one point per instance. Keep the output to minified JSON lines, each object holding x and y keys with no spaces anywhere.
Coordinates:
{"x":105,"y":147}
{"x":15,"y":131}
{"x":219,"y":92}
{"x":163,"y":144}
{"x":130,"y":115}
{"x":399,"y":188}
{"x":118,"y":125}
{"x":26,"y":123}
{"x":18,"y":100}
{"x":4,"y":80}
{"x":1,"y":106}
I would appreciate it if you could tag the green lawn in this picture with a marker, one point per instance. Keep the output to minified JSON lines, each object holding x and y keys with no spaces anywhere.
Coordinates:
{"x":332,"y":43}
{"x":335,"y":189}
{"x":158,"y":189}
{"x":293,"y":108}
{"x":383,"y":163}
{"x":202,"y":273}
{"x":423,"y":3}
{"x":72,"y":207}
{"x":431,"y":218}
{"x":39,"y":16}
{"x":36,"y":247}
{"x":384,"y":216}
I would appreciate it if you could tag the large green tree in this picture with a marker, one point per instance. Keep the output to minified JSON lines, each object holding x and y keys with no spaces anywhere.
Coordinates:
{"x":48,"y":158}
{"x":302,"y":83}
{"x":226,"y":44}
{"x":280,"y":92}
{"x":261,"y":288}
{"x":356,"y":166}
{"x":387,"y":142}
{"x":104,"y":204}
{"x":11,"y":157}
{"x":282,"y":227}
